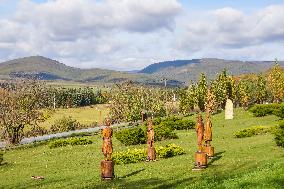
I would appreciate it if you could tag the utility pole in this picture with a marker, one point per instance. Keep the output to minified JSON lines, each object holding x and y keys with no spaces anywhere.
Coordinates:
{"x":54,"y":104}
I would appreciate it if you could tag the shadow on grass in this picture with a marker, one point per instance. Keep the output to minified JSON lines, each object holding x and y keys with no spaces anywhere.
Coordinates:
{"x":216,"y":157}
{"x":131,"y":174}
{"x":143,"y":183}
{"x":275,"y":183}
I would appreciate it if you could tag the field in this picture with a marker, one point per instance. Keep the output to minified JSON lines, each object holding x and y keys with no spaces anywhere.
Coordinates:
{"x":84,"y":115}
{"x":254,"y":162}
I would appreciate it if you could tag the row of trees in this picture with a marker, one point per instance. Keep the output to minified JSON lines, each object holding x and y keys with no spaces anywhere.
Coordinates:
{"x":53,"y":97}
{"x":242,"y":90}
{"x":73,"y":97}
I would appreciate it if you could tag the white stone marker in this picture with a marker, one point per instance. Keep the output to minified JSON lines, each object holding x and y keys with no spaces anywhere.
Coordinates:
{"x":229,"y":109}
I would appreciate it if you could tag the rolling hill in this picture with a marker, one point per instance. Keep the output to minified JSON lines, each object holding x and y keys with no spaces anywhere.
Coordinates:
{"x":177,"y":72}
{"x":186,"y":70}
{"x":48,"y":69}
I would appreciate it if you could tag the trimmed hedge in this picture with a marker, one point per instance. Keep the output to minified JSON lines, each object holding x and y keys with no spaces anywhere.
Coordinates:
{"x":248,"y":132}
{"x":163,"y":129}
{"x":70,"y":141}
{"x":175,"y":123}
{"x":1,"y":157}
{"x":138,"y":155}
{"x":132,"y":136}
{"x":261,"y":110}
{"x":138,"y":135}
{"x":279,"y":134}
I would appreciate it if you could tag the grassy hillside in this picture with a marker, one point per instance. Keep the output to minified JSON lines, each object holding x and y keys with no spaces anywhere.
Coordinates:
{"x":48,"y":69}
{"x":186,"y":70}
{"x":254,"y":162}
{"x":177,"y":72}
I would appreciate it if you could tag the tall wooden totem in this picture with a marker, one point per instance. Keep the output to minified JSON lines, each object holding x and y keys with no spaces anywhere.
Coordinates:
{"x":207,"y":148}
{"x":151,"y":152}
{"x":200,"y":156}
{"x":107,"y":165}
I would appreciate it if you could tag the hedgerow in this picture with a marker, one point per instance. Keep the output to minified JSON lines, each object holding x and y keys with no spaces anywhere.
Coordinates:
{"x":138,"y":155}
{"x":279,"y":134}
{"x":261,"y":110}
{"x":248,"y":132}
{"x":163,"y":128}
{"x":70,"y":141}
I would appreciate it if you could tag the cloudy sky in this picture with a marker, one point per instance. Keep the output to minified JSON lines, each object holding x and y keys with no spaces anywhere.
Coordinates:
{"x":131,"y":34}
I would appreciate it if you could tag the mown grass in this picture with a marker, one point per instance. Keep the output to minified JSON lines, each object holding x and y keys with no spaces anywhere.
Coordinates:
{"x":254,"y":162}
{"x":84,"y":115}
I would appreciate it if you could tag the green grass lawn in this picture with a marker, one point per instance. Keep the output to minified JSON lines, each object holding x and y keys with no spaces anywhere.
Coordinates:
{"x":254,"y":162}
{"x":84,"y":115}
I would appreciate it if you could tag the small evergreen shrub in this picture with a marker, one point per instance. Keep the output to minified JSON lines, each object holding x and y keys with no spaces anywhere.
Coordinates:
{"x":129,"y":156}
{"x":248,"y":132}
{"x":169,"y":150}
{"x":1,"y":156}
{"x":58,"y":143}
{"x":138,"y":135}
{"x":261,"y":110}
{"x":175,"y":123}
{"x":64,"y":124}
{"x":163,"y":132}
{"x":279,"y":134}
{"x":131,"y":136}
{"x":70,"y":141}
{"x":163,"y":129}
{"x":279,"y":112}
{"x":138,"y":155}
{"x":79,"y":141}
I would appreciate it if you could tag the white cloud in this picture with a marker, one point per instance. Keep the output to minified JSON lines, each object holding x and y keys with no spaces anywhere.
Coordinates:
{"x":83,"y":30}
{"x":228,"y":28}
{"x":129,"y":34}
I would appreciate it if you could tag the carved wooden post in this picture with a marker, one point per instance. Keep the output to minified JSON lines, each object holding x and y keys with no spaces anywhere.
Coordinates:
{"x":151,"y":152}
{"x":107,"y":165}
{"x":200,"y":156}
{"x":208,"y":149}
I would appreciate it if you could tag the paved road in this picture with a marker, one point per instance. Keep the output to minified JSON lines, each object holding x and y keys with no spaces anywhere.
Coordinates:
{"x":60,"y":135}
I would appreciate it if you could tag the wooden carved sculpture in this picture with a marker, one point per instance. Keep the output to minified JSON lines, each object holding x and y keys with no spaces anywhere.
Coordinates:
{"x":151,"y":153}
{"x":208,"y":130}
{"x":199,"y":131}
{"x":107,"y":165}
{"x":107,"y":142}
{"x":200,"y":156}
{"x":210,"y":103}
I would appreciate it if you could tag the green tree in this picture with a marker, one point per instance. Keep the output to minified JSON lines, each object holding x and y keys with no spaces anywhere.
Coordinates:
{"x":223,"y":87}
{"x":260,"y":90}
{"x":188,"y":99}
{"x":275,"y":82}
{"x":201,"y":92}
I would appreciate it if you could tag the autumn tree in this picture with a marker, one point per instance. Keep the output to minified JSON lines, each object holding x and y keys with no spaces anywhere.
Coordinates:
{"x":128,"y":100}
{"x":19,"y":108}
{"x":260,"y":93}
{"x":275,"y":82}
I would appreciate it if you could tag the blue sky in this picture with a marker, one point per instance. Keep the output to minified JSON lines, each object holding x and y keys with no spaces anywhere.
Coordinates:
{"x":131,"y":34}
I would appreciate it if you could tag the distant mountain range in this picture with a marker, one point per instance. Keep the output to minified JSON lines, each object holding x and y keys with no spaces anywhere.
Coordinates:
{"x":186,"y":70}
{"x":176,"y":72}
{"x":48,"y":69}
